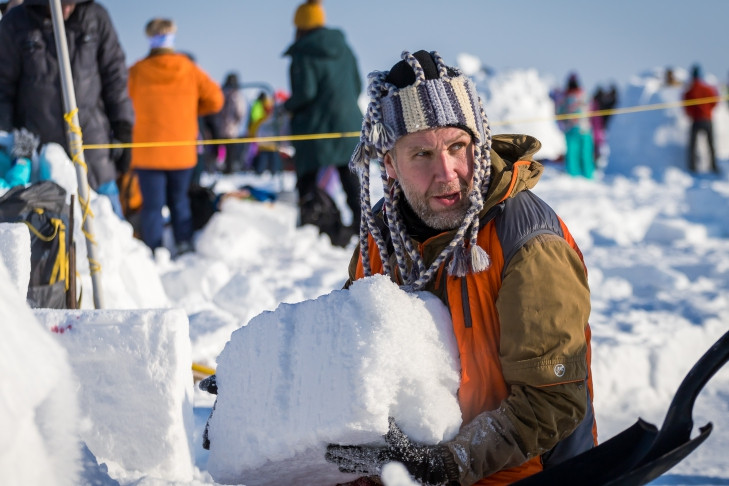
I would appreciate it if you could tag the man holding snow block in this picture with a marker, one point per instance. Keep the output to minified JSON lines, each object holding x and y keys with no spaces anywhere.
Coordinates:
{"x":458,"y":219}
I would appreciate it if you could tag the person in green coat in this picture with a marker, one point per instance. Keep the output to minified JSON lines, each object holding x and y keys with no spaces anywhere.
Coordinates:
{"x":325,"y":85}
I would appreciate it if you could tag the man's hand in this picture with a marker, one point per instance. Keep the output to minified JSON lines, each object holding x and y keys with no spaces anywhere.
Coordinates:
{"x":122,"y":157}
{"x":431,"y":465}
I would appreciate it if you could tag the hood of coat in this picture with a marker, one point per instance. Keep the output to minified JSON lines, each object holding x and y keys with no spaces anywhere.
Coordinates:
{"x":513,"y":167}
{"x":323,"y":42}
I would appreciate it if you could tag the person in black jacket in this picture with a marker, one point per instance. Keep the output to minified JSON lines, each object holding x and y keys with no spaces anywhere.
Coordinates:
{"x":30,"y":86}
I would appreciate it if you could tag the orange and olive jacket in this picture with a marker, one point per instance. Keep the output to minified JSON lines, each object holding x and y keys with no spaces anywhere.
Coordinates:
{"x":169,"y":92}
{"x":521,"y":327}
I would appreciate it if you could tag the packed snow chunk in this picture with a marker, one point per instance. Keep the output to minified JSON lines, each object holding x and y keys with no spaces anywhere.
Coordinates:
{"x":39,"y":412}
{"x":135,"y":395}
{"x":15,"y":254}
{"x":332,"y":370}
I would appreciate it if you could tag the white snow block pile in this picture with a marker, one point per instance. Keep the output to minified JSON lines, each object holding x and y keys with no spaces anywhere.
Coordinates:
{"x":39,"y":413}
{"x":332,"y":370}
{"x":15,"y":254}
{"x":135,"y":379}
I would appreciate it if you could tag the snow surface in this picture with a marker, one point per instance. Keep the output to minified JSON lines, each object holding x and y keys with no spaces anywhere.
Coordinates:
{"x":655,"y":241}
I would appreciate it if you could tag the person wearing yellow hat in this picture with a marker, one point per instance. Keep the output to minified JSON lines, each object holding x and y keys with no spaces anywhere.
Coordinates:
{"x":309,"y":16}
{"x":325,"y":87}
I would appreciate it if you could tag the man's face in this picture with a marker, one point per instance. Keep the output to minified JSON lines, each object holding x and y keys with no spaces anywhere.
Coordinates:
{"x":435,"y":170}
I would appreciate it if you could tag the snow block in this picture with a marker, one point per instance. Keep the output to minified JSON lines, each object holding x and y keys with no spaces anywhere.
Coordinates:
{"x":15,"y":254}
{"x":135,"y":396}
{"x":39,"y":412}
{"x":332,"y":370}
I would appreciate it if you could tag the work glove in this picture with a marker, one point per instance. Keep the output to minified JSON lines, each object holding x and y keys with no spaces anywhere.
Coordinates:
{"x":122,"y":157}
{"x":25,"y":144}
{"x":209,"y":385}
{"x":431,"y":465}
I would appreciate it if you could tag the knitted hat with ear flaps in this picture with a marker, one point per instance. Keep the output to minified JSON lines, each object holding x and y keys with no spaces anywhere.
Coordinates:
{"x":421,"y":93}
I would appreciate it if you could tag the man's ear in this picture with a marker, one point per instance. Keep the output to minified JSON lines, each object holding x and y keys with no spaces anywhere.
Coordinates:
{"x":389,"y":166}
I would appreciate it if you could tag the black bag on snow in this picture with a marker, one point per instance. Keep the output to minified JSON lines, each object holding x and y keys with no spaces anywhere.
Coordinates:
{"x":202,"y":205}
{"x":42,"y":207}
{"x":318,"y":208}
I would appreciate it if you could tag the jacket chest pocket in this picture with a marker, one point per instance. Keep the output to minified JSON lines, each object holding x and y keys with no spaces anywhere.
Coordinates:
{"x":35,"y":56}
{"x":85,"y":49}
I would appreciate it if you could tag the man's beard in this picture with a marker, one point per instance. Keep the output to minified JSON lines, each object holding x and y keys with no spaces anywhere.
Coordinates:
{"x":446,"y":219}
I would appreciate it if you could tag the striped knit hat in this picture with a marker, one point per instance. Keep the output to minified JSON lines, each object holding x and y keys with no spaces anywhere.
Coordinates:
{"x":421,"y":93}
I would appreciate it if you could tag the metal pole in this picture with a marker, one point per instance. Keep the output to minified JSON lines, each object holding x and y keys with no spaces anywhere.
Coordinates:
{"x":75,"y":144}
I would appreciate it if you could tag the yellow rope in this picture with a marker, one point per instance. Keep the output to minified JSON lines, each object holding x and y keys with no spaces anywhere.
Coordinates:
{"x":76,"y":149}
{"x":321,"y":136}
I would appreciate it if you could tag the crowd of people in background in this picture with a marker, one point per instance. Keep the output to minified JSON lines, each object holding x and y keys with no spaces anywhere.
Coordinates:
{"x":121,"y":104}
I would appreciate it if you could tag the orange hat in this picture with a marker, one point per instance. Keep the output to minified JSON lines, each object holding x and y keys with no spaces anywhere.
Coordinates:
{"x":309,"y":15}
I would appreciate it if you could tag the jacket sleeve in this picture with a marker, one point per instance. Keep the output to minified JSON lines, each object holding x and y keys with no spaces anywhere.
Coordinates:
{"x":113,"y":72}
{"x":9,"y":74}
{"x":211,"y":97}
{"x":543,"y":307}
{"x":499,"y":439}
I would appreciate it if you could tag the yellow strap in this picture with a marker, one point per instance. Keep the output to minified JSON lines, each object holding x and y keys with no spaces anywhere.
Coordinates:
{"x":202,"y":369}
{"x":60,"y":266}
{"x":40,"y":235}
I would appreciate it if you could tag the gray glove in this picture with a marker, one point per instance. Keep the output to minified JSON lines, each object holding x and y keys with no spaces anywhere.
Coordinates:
{"x":431,"y":465}
{"x":25,"y":143}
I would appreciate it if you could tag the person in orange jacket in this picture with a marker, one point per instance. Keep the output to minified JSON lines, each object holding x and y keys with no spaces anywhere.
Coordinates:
{"x":458,"y":220}
{"x":700,"y":115}
{"x":169,"y":91}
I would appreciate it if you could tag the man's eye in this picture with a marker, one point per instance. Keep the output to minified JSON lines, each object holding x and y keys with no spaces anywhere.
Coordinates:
{"x":457,"y":146}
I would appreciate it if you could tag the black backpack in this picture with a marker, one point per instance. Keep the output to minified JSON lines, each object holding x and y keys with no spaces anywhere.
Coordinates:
{"x":318,"y":208}
{"x":42,"y":207}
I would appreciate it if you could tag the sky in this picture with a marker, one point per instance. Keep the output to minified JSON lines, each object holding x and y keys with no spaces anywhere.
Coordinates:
{"x":655,"y":241}
{"x":604,"y":42}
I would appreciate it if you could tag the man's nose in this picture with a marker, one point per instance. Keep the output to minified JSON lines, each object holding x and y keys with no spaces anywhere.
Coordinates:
{"x":446,"y":166}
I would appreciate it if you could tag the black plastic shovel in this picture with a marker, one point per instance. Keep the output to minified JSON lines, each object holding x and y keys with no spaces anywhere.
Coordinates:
{"x":641,"y":452}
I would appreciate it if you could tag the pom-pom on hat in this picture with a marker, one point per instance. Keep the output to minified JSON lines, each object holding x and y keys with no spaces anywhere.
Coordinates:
{"x":309,"y":15}
{"x":420,"y":93}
